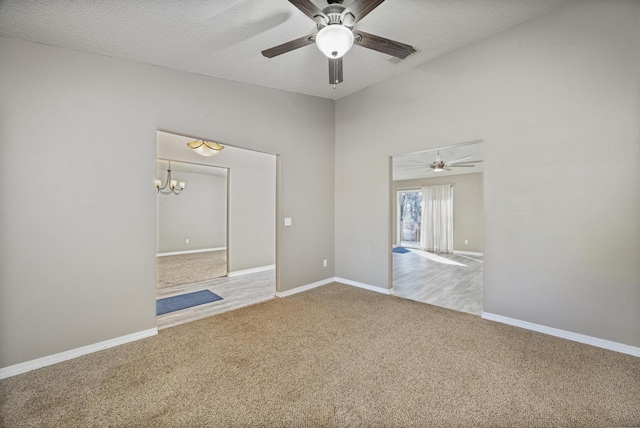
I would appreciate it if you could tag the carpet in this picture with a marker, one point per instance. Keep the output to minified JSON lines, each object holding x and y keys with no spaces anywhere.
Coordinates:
{"x":334,"y":356}
{"x":401,"y":250}
{"x":183,"y":301}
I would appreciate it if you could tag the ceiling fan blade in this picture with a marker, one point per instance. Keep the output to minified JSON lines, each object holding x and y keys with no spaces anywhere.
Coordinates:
{"x":467,"y":162}
{"x":458,"y":160}
{"x":335,"y":70}
{"x":380,"y":44}
{"x":361,"y":8}
{"x":420,"y":162}
{"x":461,"y":166}
{"x":446,"y":168}
{"x":309,"y":9}
{"x":289,"y":46}
{"x":411,"y":167}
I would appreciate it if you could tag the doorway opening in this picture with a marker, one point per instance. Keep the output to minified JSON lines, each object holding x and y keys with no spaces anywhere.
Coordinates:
{"x":222,"y":225}
{"x":437,"y":226}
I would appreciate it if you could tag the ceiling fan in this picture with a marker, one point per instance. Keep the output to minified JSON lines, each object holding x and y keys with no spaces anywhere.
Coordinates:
{"x":440,"y":165}
{"x":335,"y":34}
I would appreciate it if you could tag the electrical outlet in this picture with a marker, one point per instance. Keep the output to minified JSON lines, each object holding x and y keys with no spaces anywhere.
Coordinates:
{"x":186,"y":241}
{"x":324,"y":263}
{"x":287,"y":221}
{"x":466,"y":242}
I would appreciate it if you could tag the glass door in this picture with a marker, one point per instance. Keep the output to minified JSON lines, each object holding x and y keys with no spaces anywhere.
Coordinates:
{"x":409,"y":218}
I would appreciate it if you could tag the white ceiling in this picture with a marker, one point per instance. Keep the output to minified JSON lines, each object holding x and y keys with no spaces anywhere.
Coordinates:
{"x":224,"y":38}
{"x":404,"y":166}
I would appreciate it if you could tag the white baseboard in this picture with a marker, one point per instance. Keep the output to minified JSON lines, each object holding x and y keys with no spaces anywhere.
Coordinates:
{"x":329,"y":281}
{"x":253,"y":270}
{"x":304,"y":287}
{"x":74,"y":353}
{"x":179,"y":253}
{"x":365,"y":286}
{"x":468,"y":253}
{"x":576,"y":337}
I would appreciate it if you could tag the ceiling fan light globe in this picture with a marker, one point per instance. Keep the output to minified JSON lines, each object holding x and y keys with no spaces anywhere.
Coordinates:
{"x":334,"y":40}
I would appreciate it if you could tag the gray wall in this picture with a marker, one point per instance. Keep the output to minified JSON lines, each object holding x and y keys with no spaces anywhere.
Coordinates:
{"x":556,"y":99}
{"x":467,"y":207}
{"x":199,"y":213}
{"x":557,"y":102}
{"x":78,"y":210}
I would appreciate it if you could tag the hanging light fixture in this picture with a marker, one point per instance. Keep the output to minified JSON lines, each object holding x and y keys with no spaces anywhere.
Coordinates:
{"x":205,"y":148}
{"x":174,"y":187}
{"x":334,"y":40}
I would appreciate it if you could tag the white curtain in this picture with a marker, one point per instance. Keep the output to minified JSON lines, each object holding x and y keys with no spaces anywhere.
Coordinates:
{"x":437,"y":218}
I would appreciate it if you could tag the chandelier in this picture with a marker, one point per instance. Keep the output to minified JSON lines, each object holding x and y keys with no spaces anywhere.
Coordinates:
{"x":170,"y":186}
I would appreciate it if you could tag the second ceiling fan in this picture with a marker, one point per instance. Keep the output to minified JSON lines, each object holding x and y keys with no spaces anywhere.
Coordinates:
{"x":335,"y":34}
{"x":439,"y":165}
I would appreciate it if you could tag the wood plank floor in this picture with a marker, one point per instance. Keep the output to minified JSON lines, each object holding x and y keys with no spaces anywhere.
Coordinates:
{"x":453,"y":286}
{"x":236,"y":292}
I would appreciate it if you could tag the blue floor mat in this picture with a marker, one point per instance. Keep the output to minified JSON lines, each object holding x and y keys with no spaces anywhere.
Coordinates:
{"x":183,"y":301}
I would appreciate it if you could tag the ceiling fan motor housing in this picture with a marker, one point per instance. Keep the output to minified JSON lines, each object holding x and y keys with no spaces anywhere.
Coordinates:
{"x":334,"y":38}
{"x":334,"y":13}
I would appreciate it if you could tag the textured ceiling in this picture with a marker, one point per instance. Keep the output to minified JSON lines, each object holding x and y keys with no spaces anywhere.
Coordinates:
{"x":224,"y":38}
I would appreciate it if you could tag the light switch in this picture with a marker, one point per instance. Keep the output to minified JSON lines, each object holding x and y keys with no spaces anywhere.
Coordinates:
{"x":287,"y":221}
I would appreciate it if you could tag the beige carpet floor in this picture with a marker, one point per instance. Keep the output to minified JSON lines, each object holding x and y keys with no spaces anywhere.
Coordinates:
{"x":334,"y":356}
{"x":190,"y":268}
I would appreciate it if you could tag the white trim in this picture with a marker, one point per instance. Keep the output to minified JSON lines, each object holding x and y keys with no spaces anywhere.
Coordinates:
{"x":576,"y":337}
{"x":334,"y":279}
{"x":179,"y":253}
{"x":365,"y":286}
{"x":253,"y":270}
{"x":468,"y":253}
{"x":304,"y":287}
{"x":74,"y":353}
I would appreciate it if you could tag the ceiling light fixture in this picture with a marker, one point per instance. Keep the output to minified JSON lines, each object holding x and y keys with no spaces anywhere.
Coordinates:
{"x":205,"y":148}
{"x":334,"y":40}
{"x":175,"y":188}
{"x":438,"y":165}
